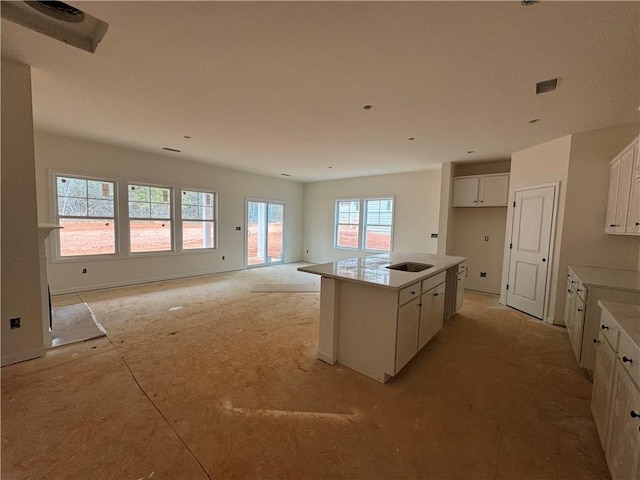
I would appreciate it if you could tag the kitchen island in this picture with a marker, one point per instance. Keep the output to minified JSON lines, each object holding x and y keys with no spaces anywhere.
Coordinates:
{"x":378,"y":311}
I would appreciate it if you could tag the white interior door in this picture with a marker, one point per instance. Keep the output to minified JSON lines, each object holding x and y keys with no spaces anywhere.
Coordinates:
{"x":530,"y":248}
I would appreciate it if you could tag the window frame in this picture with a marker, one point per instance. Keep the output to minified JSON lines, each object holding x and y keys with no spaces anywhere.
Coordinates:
{"x":55,"y":208}
{"x":172,"y":218}
{"x":180,"y":230}
{"x":362,"y":222}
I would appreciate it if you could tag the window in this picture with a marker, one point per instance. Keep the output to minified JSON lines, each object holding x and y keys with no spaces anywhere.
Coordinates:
{"x":86,"y":211}
{"x":149,"y":219}
{"x":364,"y":224}
{"x":198,"y":220}
{"x":348,"y":224}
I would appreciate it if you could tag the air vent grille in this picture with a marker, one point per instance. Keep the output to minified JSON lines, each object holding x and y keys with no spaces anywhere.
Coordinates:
{"x":546,"y":86}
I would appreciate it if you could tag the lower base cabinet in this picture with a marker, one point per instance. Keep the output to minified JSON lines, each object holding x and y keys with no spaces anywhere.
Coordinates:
{"x":406,"y":342}
{"x":431,"y":314}
{"x":615,"y":400}
{"x":623,"y":448}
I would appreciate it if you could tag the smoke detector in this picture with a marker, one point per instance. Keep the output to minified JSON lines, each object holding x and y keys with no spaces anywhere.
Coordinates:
{"x":57,"y":20}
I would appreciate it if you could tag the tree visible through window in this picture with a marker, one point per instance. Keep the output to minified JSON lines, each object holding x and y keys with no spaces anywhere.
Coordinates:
{"x":86,"y":211}
{"x":149,"y":218}
{"x":364,"y":224}
{"x":198,"y":220}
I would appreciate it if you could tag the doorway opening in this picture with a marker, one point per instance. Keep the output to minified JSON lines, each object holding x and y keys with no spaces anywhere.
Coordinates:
{"x":265,"y":233}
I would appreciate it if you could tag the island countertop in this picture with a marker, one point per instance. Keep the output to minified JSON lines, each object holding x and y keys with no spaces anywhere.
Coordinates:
{"x":373,"y":269}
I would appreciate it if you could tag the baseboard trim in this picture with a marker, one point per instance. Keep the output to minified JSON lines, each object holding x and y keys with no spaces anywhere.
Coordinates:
{"x":23,"y":357}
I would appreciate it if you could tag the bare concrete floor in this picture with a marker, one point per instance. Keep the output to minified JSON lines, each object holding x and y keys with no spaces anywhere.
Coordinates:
{"x":200,"y":378}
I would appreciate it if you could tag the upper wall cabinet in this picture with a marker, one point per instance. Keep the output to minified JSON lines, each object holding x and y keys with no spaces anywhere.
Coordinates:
{"x":481,"y":190}
{"x":623,"y":207}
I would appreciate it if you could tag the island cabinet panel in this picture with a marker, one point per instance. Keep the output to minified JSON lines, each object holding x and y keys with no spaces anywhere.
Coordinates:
{"x":602,"y":386}
{"x":367,"y":329}
{"x":431,"y":313}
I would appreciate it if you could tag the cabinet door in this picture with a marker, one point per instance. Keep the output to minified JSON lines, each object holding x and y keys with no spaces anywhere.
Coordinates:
{"x":431,"y":314}
{"x":612,"y":203}
{"x":602,"y":383}
{"x":624,"y":189}
{"x":460,"y":290}
{"x":493,"y":191}
{"x":623,"y":444}
{"x":633,"y":219}
{"x":578,"y":327}
{"x":465,"y":192}
{"x":407,"y":333}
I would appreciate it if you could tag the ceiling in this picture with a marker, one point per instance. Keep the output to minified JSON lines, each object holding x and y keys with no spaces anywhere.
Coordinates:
{"x":279,"y":87}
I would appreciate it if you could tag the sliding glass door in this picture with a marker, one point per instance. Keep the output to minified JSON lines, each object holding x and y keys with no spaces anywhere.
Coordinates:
{"x":265,"y":229}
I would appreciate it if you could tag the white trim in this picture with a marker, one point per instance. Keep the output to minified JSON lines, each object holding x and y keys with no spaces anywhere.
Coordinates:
{"x":23,"y":357}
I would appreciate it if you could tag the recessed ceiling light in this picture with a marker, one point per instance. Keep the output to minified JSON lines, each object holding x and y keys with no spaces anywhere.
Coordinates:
{"x":330,"y":167}
{"x":187,"y":136}
{"x":412,"y":138}
{"x":470,"y":151}
{"x":368,"y":107}
{"x":285,"y":174}
{"x":171,"y":149}
{"x":546,"y":86}
{"x":527,"y":3}
{"x":535,"y":120}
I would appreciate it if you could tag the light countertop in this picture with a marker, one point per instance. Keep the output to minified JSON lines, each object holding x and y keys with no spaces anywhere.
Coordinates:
{"x":613,"y":278}
{"x":628,"y":316}
{"x":372,"y":269}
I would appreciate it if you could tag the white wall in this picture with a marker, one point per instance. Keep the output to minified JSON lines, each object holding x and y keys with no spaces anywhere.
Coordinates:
{"x":580,"y":162}
{"x":468,"y":227}
{"x":20,"y":255}
{"x":417,"y":205}
{"x":542,"y":164}
{"x":60,"y":154}
{"x":469,"y":230}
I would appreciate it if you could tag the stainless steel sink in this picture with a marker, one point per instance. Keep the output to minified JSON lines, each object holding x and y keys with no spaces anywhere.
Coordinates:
{"x":410,"y":266}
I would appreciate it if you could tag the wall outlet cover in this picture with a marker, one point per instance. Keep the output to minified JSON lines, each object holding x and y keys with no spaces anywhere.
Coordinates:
{"x":14,"y":322}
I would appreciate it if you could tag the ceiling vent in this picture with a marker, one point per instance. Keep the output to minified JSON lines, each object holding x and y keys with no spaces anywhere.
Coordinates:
{"x":546,"y":86}
{"x":57,"y":20}
{"x":171,"y":149}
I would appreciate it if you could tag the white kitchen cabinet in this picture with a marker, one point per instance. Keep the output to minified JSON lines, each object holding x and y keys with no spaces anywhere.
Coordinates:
{"x":603,"y":385}
{"x":460,"y":282}
{"x":407,"y":336}
{"x":589,"y":285}
{"x":615,"y":401}
{"x":633,"y":219}
{"x":623,"y":205}
{"x":481,"y":190}
{"x":431,"y":314}
{"x":623,"y":446}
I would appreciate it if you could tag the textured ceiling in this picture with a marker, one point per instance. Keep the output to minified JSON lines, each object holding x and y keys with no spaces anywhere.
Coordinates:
{"x":278,"y":87}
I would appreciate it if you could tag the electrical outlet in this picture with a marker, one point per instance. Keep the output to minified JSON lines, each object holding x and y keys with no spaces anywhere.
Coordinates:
{"x":434,"y":235}
{"x":223,"y":257}
{"x":238,"y":228}
{"x":84,"y":270}
{"x":14,"y":322}
{"x":483,"y":274}
{"x":486,"y":238}
{"x":307,"y":251}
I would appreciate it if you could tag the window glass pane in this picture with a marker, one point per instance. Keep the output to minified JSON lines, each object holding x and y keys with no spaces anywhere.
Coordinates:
{"x":73,"y":207}
{"x":160,"y":210}
{"x":87,"y":236}
{"x":347,"y":236}
{"x":100,"y":189}
{"x":139,"y":210}
{"x":190,"y":212}
{"x":71,"y":187}
{"x":100,"y":208}
{"x":198,"y":235}
{"x":377,"y":238}
{"x":150,"y":235}
{"x":139,"y":193}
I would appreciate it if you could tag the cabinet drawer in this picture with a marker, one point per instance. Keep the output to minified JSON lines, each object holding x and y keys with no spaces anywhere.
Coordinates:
{"x":629,"y":355}
{"x":610,"y":330}
{"x":581,"y":290}
{"x":434,"y":281}
{"x":408,"y":293}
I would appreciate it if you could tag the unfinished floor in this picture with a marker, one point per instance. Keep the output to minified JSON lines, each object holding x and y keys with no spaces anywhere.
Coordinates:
{"x":200,"y":378}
